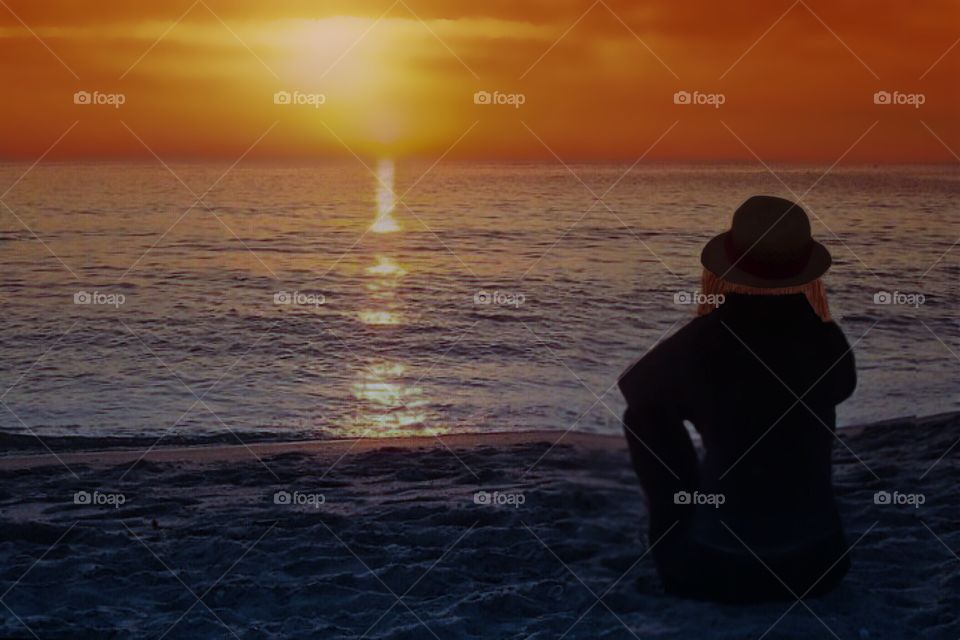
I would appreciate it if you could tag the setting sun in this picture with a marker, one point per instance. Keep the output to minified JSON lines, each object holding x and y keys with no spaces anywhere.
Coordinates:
{"x":400,"y":80}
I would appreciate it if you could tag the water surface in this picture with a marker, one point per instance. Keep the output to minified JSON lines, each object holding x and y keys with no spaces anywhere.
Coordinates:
{"x":337,"y":299}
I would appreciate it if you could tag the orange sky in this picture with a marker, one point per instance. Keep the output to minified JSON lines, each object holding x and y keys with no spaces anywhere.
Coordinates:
{"x":398,"y":78}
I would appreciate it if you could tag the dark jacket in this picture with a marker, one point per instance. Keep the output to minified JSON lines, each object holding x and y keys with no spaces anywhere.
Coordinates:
{"x":759,"y":379}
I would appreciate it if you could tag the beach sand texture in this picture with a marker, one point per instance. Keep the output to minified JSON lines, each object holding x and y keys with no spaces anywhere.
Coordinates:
{"x":398,"y":547}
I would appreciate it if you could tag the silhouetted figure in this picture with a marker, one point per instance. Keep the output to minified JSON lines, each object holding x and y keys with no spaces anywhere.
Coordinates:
{"x":758,"y":377}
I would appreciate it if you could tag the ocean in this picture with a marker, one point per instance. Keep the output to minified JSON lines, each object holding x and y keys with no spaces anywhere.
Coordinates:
{"x":204,"y":301}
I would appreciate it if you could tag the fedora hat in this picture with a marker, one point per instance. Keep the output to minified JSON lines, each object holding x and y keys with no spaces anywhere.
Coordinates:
{"x":768,"y":246}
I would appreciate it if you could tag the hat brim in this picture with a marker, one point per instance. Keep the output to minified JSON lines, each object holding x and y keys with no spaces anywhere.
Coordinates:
{"x":714,"y":257}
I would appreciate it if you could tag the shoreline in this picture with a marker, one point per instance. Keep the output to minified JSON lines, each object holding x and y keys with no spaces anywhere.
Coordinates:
{"x":321,"y":448}
{"x":335,"y":447}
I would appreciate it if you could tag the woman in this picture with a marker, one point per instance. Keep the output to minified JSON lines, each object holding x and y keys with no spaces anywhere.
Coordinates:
{"x":758,"y":373}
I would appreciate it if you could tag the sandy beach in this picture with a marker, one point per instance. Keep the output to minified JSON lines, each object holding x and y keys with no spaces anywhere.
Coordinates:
{"x":479,"y":536}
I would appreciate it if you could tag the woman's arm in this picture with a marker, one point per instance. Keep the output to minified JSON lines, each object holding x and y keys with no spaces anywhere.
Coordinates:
{"x":656,"y":389}
{"x":665,"y":462}
{"x":843,"y":372}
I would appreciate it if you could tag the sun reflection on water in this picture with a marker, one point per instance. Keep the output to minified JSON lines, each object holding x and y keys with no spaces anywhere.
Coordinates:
{"x":387,"y":407}
{"x":379,"y":318}
{"x":386,"y":404}
{"x":383,"y":294}
{"x":386,"y":266}
{"x":386,"y":199}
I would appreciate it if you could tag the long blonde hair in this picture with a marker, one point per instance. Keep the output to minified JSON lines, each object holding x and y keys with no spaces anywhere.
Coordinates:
{"x":815,"y":291}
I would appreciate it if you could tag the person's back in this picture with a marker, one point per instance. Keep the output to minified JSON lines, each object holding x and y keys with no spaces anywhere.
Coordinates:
{"x":759,"y":378}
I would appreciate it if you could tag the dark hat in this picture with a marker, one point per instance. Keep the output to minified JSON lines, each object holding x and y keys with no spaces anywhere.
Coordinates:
{"x":768,"y":246}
